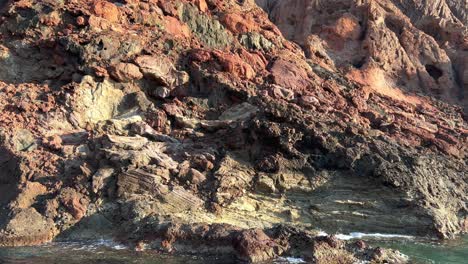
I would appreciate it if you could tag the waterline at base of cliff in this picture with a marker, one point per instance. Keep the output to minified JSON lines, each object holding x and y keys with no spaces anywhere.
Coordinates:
{"x":105,"y":252}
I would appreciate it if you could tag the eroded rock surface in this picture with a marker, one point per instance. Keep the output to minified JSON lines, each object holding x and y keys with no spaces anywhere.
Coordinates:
{"x":196,"y":127}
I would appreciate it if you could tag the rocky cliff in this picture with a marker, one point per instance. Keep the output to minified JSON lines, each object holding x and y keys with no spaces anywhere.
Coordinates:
{"x":196,"y":126}
{"x":419,"y":46}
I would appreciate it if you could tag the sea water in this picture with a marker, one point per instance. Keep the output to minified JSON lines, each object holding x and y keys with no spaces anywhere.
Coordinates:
{"x":431,"y":252}
{"x":107,"y":252}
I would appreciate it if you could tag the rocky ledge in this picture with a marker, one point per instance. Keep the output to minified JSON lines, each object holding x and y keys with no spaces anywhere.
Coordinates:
{"x":196,"y":127}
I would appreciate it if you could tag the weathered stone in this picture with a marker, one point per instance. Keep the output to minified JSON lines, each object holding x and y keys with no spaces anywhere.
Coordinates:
{"x":256,"y":41}
{"x":175,"y":27}
{"x":96,"y":101}
{"x":125,"y":72}
{"x":196,"y":177}
{"x":75,"y":203}
{"x":265,"y":184}
{"x":27,"y":227}
{"x":137,"y":181}
{"x":234,"y":65}
{"x":28,"y":193}
{"x":242,"y":112}
{"x":237,"y":23}
{"x":101,"y":178}
{"x":256,"y":246}
{"x":54,"y":142}
{"x":133,"y":143}
{"x":162,"y":70}
{"x":141,"y":182}
{"x":161,"y":92}
{"x":403,"y":26}
{"x":233,"y":177}
{"x":24,"y":140}
{"x":289,"y":75}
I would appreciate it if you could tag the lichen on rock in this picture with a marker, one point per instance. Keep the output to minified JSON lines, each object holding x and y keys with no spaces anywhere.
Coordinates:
{"x":207,"y":29}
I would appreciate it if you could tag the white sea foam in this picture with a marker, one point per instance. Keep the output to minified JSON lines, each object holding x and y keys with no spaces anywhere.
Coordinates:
{"x":290,"y":260}
{"x":91,"y":245}
{"x":359,"y":235}
{"x":110,"y":244}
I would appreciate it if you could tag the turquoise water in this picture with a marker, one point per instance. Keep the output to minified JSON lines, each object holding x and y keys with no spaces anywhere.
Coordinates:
{"x":104,"y":252}
{"x":424,"y":252}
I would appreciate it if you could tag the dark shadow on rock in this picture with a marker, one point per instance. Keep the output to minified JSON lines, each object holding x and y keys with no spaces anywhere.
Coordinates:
{"x":9,"y":167}
{"x":9,"y":177}
{"x":93,"y":227}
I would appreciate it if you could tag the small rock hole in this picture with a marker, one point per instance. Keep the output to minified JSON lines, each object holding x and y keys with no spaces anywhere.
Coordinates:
{"x":100,"y":45}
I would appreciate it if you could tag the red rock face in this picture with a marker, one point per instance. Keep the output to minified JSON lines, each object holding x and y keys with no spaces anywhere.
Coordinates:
{"x":238,"y":23}
{"x":288,"y":75}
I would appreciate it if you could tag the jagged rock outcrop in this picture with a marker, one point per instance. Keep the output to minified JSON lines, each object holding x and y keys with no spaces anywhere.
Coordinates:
{"x":415,"y":46}
{"x":196,"y":126}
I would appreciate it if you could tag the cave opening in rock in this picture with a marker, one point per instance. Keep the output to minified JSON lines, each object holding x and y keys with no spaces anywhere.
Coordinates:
{"x":434,"y":72}
{"x":359,"y":63}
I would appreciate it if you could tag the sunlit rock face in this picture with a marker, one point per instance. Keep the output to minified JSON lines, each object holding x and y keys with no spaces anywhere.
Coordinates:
{"x":420,"y":46}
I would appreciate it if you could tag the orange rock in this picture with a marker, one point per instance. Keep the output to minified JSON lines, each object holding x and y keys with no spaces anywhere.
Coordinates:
{"x":447,"y":148}
{"x":237,"y":23}
{"x":174,"y":27}
{"x":75,"y":203}
{"x":235,"y":65}
{"x":24,"y":4}
{"x":169,"y":7}
{"x":201,"y":4}
{"x":256,"y":59}
{"x":100,"y":71}
{"x":374,"y":78}
{"x":125,"y":72}
{"x":347,"y":27}
{"x":99,"y":24}
{"x":80,"y":21}
{"x":106,"y":10}
{"x":28,"y":194}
